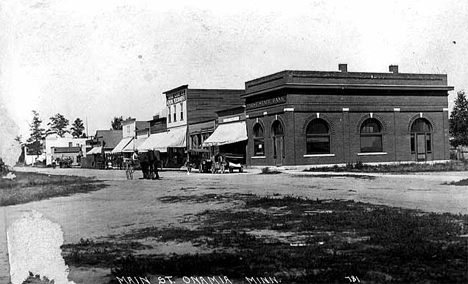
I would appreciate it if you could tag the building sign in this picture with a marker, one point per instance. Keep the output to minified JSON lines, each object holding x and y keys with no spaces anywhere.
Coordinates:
{"x":231,"y":119}
{"x":267,"y":102}
{"x":176,"y":98}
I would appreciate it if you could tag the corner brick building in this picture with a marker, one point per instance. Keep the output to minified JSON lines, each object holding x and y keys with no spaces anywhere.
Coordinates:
{"x":315,"y":117}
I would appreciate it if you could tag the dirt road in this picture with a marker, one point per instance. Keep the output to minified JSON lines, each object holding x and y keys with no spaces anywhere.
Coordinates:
{"x":126,"y":205}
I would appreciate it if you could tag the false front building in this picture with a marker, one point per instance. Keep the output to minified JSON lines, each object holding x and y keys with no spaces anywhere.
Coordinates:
{"x":191,"y":119}
{"x":315,"y":117}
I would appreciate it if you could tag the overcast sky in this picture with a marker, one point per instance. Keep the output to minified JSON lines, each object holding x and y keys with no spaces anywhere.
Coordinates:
{"x":98,"y":59}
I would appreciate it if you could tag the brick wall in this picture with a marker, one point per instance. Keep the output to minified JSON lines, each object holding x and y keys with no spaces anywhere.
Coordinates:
{"x":394,"y":110}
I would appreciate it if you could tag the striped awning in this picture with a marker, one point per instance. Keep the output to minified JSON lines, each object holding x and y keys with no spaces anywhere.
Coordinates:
{"x":122,"y":144}
{"x":94,"y":151}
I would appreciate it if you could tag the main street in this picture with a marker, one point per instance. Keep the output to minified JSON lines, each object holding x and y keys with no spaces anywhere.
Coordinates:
{"x":125,"y":205}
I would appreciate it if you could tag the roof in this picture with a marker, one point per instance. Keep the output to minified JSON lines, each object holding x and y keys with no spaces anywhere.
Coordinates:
{"x":345,"y":80}
{"x":110,"y":137}
{"x":176,"y":89}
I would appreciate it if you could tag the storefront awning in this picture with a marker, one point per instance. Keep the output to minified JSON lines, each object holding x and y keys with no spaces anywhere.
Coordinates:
{"x":134,"y":144}
{"x":154,"y":142}
{"x":94,"y":151}
{"x":174,"y":138}
{"x":226,"y":134}
{"x":122,"y":144}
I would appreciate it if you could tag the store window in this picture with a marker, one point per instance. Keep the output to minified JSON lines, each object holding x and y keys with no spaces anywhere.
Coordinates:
{"x":318,"y":137}
{"x":195,"y":141}
{"x":169,"y":114}
{"x":181,"y":111}
{"x":259,"y":148}
{"x":371,"y":136}
{"x":175,"y":113}
{"x":205,"y":136}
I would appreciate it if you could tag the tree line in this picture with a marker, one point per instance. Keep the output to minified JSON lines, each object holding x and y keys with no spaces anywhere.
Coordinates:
{"x":58,"y":124}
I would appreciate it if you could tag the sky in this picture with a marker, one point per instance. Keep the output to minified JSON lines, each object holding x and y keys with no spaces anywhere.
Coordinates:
{"x":99,"y":59}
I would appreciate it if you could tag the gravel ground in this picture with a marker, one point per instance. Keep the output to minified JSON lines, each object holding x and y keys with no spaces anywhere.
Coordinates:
{"x":131,"y":204}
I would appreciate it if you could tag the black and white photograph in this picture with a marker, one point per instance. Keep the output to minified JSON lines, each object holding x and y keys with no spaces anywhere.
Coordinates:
{"x":243,"y":142}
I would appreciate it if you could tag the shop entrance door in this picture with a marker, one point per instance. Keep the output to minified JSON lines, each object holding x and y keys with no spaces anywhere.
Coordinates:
{"x":421,"y":140}
{"x":421,"y":147}
{"x":278,"y":143}
{"x":278,"y":150}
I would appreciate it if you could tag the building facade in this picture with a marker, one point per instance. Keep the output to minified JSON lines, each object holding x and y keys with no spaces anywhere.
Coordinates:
{"x":230,"y":135}
{"x":315,"y":117}
{"x":191,"y":116}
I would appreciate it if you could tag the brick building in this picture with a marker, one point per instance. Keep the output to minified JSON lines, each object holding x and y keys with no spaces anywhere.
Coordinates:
{"x":315,"y":117}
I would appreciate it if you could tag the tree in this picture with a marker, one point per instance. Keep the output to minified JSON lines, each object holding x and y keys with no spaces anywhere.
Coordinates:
{"x":117,"y":123}
{"x":34,"y":142}
{"x":58,"y":124}
{"x":37,"y":133}
{"x":77,"y":129}
{"x":459,"y":121}
{"x":19,"y":138}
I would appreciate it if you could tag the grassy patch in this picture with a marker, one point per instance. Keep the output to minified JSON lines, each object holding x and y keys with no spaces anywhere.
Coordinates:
{"x":463,"y":182}
{"x":356,"y":176}
{"x":395,"y":168}
{"x":301,"y":240}
{"x":91,"y":253}
{"x":29,"y":187}
{"x":203,"y":198}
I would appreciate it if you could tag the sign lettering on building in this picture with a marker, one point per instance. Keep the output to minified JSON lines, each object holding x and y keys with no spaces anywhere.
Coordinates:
{"x":230,"y":119}
{"x":175,"y":98}
{"x":267,"y":102}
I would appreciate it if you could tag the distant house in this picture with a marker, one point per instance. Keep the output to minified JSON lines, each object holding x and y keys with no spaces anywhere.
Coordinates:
{"x":64,"y":147}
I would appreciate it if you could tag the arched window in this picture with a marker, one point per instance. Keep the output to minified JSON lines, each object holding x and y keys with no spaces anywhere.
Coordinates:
{"x":421,"y":136}
{"x":318,"y":137}
{"x":259,"y":149}
{"x":277,"y":128}
{"x":371,"y":136}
